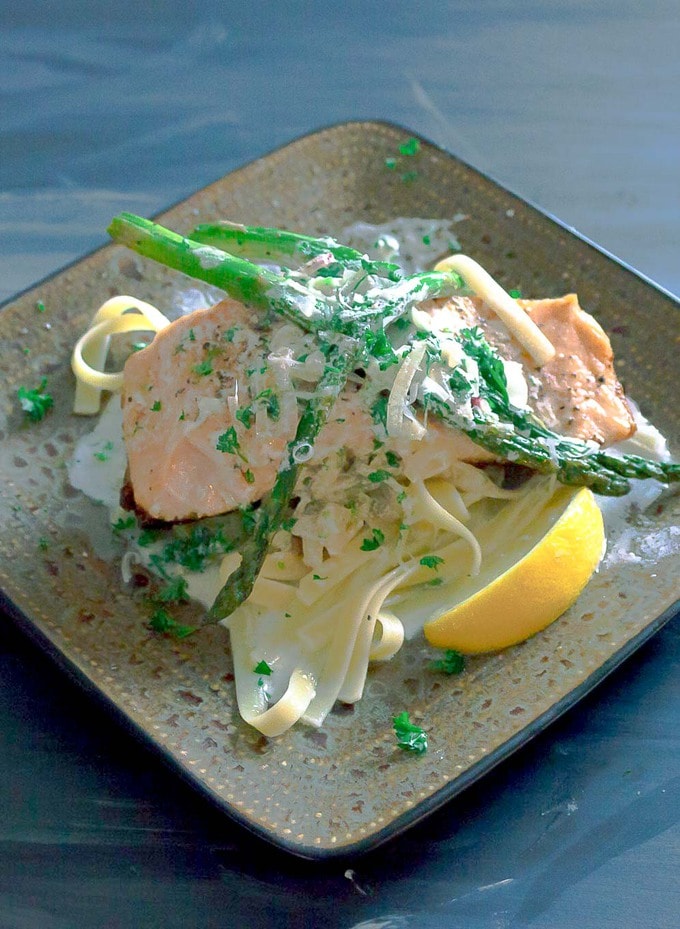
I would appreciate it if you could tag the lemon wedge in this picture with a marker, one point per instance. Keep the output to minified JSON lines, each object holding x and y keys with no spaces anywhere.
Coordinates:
{"x":536,"y":582}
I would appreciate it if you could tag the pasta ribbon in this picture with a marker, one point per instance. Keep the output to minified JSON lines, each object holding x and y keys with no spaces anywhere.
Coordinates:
{"x":117,"y":315}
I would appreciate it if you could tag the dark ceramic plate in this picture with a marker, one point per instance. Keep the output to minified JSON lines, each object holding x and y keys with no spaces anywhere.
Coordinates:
{"x":345,"y":787}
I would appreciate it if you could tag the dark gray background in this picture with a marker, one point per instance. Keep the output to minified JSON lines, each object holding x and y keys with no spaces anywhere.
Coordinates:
{"x":574,"y":105}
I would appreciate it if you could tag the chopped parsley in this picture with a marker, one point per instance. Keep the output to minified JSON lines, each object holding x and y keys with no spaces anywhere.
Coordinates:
{"x":410,"y":737}
{"x":175,"y":591}
{"x":392,"y":459}
{"x":262,"y":668}
{"x":452,"y":662}
{"x":162,"y":621}
{"x":43,"y":544}
{"x":228,"y":442}
{"x":377,"y":477}
{"x":156,"y":406}
{"x":35,"y":403}
{"x":379,"y":410}
{"x":246,"y":416}
{"x":40,"y":306}
{"x":409,"y":147}
{"x":102,"y":455}
{"x":203,"y":368}
{"x":376,"y":540}
{"x":249,"y":476}
{"x":123,"y":523}
{"x":515,"y":294}
{"x":431,"y":561}
{"x":391,"y":163}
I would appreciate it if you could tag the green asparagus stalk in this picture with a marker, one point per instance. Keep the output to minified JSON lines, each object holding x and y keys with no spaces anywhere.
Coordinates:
{"x":261,"y":243}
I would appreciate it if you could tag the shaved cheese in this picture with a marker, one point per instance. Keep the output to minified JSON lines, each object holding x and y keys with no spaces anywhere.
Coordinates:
{"x":396,"y":403}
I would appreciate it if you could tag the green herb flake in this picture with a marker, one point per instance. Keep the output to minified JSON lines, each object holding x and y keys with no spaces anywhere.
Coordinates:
{"x":377,"y":477}
{"x":410,"y":147}
{"x":249,"y":476}
{"x":431,"y":561}
{"x":452,"y":663}
{"x":318,"y":577}
{"x":162,"y":621}
{"x":175,"y":591}
{"x":410,"y":737}
{"x":43,"y":544}
{"x":123,"y":523}
{"x":192,"y":335}
{"x":409,"y":176}
{"x":228,"y":442}
{"x":40,"y":306}
{"x":391,"y":163}
{"x":515,"y":294}
{"x":203,"y":368}
{"x":376,"y":540}
{"x":392,"y":459}
{"x":181,"y":416}
{"x":230,"y":333}
{"x":262,"y":668}
{"x":35,"y":403}
{"x":138,"y":346}
{"x":246,"y":416}
{"x":287,"y":524}
{"x":156,"y":406}
{"x":379,"y":411}
{"x":147,"y":537}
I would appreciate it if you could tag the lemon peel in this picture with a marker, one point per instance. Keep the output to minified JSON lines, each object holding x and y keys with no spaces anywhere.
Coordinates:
{"x":553,"y":567}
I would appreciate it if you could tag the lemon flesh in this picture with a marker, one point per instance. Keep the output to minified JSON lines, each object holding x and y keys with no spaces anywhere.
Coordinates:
{"x":536,"y":582}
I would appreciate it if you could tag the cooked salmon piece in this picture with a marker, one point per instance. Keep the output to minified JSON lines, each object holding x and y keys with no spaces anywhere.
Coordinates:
{"x":182,"y":398}
{"x":577,"y":392}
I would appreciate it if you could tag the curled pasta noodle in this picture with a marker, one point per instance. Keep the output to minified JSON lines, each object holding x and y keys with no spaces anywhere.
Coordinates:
{"x":117,"y":315}
{"x":391,"y":637}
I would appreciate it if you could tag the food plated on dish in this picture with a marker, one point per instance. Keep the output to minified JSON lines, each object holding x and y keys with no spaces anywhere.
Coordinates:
{"x":347,"y":785}
{"x":340,"y":451}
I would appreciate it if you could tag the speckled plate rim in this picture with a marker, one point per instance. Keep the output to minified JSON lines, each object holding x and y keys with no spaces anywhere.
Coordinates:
{"x":475,"y":771}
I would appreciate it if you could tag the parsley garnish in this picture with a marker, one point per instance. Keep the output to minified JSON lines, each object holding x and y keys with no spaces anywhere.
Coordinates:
{"x":123,"y":524}
{"x":249,"y":476}
{"x":376,"y":477}
{"x":203,"y":368}
{"x":379,"y":411}
{"x":175,"y":591}
{"x":246,"y":416}
{"x":35,"y":403}
{"x":262,"y":668}
{"x":452,"y":662}
{"x":515,"y":294}
{"x":40,"y":306}
{"x":376,"y":540}
{"x":228,"y":442}
{"x":431,"y":561}
{"x":410,"y":737}
{"x":410,"y":147}
{"x":162,"y":621}
{"x":392,"y":459}
{"x":156,"y":406}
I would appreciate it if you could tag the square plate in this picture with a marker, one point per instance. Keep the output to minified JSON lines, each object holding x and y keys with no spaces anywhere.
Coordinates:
{"x":345,"y":787}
